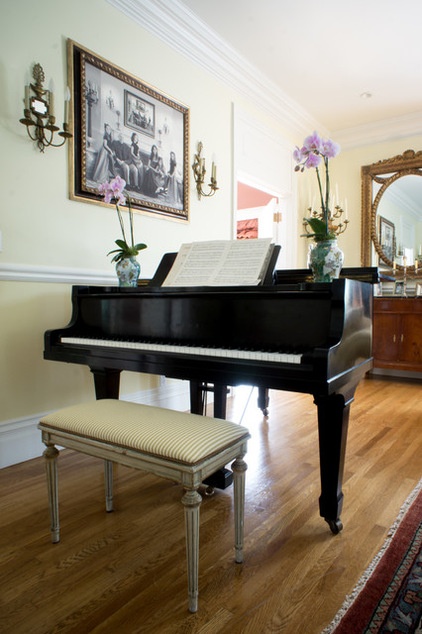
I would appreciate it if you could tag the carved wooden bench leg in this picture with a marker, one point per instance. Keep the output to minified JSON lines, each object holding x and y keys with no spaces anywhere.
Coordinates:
{"x":192,"y":501}
{"x":239,"y":468}
{"x":108,"y":483}
{"x":50,"y":455}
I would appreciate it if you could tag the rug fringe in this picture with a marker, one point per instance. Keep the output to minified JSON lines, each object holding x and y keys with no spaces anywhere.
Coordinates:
{"x":350,"y":598}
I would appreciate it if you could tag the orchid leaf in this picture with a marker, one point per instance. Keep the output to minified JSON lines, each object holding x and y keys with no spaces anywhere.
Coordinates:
{"x":318,"y":226}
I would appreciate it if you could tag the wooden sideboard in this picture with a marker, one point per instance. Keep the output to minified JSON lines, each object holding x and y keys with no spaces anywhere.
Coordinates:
{"x":397,"y":333}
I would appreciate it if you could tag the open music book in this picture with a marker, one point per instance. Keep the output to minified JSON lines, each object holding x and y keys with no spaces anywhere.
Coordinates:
{"x":221,"y":263}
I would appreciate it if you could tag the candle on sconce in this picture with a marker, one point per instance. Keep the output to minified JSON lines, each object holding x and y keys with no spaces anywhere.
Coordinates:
{"x":51,"y":98}
{"x":26,"y":97}
{"x":394,"y":266}
{"x":214,"y":167}
{"x":66,"y":105}
{"x":416,"y":266}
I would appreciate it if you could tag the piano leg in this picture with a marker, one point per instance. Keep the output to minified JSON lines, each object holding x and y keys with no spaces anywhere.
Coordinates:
{"x":263,"y":400}
{"x":197,"y":400}
{"x":333,"y":421}
{"x":196,"y":391}
{"x":107,"y":382}
{"x":220,"y":401}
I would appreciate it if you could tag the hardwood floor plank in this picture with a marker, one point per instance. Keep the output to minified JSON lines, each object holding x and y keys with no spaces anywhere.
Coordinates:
{"x":125,"y":571}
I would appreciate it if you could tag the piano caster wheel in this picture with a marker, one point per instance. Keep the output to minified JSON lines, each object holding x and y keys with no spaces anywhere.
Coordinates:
{"x":265,"y":413}
{"x":335,"y":526}
{"x":209,"y":491}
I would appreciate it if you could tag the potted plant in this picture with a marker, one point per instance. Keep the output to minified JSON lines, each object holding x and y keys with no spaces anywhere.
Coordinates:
{"x":127,"y":267}
{"x":325,"y":258}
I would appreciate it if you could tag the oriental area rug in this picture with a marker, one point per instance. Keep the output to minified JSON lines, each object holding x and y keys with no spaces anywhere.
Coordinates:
{"x":388,"y":597}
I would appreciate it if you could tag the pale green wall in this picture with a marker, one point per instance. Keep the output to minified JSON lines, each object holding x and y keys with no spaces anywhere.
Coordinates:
{"x":41,"y":226}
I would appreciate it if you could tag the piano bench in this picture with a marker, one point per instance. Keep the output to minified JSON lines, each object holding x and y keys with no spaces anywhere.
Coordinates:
{"x":183,"y":447}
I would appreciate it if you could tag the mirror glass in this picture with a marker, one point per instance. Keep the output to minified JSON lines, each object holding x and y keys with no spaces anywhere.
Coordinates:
{"x":392,"y":212}
{"x":39,"y":106}
{"x":401,"y":206}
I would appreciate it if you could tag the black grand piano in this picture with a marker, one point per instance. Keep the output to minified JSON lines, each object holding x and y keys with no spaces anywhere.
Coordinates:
{"x":289,"y":335}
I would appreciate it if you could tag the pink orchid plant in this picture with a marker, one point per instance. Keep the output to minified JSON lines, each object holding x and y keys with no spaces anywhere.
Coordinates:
{"x":113,"y":191}
{"x":314,"y":151}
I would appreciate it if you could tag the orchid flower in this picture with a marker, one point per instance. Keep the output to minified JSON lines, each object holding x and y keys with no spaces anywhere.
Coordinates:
{"x":113,"y":191}
{"x":314,"y":151}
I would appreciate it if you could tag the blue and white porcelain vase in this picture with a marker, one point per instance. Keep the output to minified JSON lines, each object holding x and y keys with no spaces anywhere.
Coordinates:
{"x":128,"y":271}
{"x":325,"y":260}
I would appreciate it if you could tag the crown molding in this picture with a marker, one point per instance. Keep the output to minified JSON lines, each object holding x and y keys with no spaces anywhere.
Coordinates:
{"x":173,"y":23}
{"x":380,"y":131}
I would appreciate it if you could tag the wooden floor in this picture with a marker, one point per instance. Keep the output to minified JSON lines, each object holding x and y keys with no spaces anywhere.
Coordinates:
{"x":124,"y":572}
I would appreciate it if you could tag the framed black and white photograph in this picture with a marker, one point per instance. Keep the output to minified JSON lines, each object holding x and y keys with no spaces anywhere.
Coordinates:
{"x":123,"y":126}
{"x":387,"y":237}
{"x":139,"y":114}
{"x":398,"y":288}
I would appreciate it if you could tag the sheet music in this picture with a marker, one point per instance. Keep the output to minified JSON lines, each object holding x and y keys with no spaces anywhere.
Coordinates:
{"x":221,"y":263}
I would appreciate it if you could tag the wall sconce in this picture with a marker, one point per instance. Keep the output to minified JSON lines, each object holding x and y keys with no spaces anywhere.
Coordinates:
{"x":199,"y":172}
{"x":39,"y":112}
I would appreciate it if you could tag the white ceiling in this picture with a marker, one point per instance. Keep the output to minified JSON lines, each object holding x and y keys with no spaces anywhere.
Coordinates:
{"x":324,"y":55}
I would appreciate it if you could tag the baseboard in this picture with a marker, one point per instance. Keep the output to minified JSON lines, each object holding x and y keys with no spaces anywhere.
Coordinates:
{"x":20,"y":440}
{"x":398,"y":374}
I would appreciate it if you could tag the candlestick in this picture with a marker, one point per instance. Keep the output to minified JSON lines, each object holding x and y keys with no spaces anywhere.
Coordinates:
{"x":50,"y":94}
{"x":51,"y":103}
{"x":66,"y":105}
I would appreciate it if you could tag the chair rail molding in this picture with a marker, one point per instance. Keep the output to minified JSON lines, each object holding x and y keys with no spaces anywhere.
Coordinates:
{"x":32,"y":273}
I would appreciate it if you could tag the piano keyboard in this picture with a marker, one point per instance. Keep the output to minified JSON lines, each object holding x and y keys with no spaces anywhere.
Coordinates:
{"x":221,"y":353}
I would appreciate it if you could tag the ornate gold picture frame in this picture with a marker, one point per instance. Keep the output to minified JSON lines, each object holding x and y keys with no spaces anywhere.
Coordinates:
{"x":123,"y":126}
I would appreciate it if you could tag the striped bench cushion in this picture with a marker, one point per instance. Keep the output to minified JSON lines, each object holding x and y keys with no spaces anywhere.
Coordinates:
{"x":180,"y":436}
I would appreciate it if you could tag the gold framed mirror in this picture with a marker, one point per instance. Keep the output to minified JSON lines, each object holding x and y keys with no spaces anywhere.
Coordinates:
{"x":388,"y":183}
